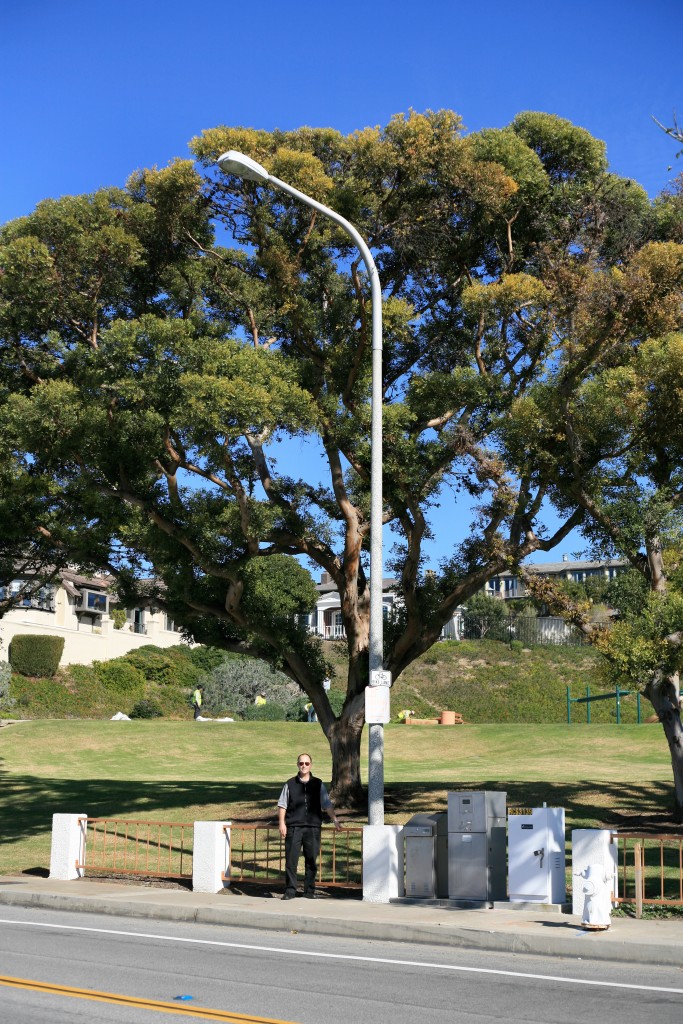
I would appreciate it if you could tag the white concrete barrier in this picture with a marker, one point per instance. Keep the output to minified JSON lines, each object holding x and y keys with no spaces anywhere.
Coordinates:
{"x":592,"y":846}
{"x":382,"y":863}
{"x":211,"y":856}
{"x":68,"y":846}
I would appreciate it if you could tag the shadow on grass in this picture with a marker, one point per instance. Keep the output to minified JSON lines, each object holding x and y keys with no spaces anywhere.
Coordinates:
{"x":632,"y":807}
{"x":28,"y":802}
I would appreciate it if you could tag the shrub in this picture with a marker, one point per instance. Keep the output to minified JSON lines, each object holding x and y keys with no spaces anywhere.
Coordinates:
{"x":155,"y":667}
{"x":295,"y":710}
{"x":6,"y":702}
{"x":517,"y":646}
{"x":146,"y":708}
{"x":119,"y":675}
{"x":119,"y":617}
{"x":269,"y":712}
{"x":32,"y":655}
{"x":336,"y":699}
{"x":233,"y":685}
{"x":164,"y":667}
{"x":208,"y":658}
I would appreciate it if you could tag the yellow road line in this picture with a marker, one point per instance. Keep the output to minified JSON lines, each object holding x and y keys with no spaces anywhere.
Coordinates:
{"x":198,"y":1012}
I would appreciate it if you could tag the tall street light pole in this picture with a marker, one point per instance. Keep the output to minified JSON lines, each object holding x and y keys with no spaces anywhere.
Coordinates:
{"x":244,"y":167}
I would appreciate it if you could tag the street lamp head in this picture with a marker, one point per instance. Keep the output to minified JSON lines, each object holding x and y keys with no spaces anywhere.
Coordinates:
{"x":242,"y":166}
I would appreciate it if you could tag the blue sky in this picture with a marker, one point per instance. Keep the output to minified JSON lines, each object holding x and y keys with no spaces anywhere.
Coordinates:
{"x":92,"y":90}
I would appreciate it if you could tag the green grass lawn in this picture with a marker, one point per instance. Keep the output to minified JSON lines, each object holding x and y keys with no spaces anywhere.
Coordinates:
{"x":185,"y":771}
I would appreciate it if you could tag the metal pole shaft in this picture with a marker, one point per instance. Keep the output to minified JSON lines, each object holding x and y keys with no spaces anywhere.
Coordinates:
{"x":376,"y":639}
{"x":376,"y":648}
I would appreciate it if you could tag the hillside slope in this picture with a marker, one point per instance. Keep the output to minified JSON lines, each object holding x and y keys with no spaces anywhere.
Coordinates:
{"x":486,"y":681}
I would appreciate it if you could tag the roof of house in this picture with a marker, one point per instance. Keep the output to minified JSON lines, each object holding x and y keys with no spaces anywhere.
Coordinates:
{"x":566,"y":566}
{"x":330,"y":587}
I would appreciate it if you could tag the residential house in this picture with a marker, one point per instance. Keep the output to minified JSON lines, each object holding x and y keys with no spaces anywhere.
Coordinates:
{"x":326,"y":619}
{"x":79,"y":609}
{"x":507,"y":585}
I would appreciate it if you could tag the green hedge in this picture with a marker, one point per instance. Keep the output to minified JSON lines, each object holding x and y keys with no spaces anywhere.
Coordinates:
{"x":268,"y":712}
{"x":119,"y":676}
{"x":32,"y":655}
{"x":165,"y":667}
{"x":147,"y":708}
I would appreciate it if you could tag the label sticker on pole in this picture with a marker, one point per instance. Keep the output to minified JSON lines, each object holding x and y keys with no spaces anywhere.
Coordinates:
{"x":380,"y":677}
{"x":377,"y":710}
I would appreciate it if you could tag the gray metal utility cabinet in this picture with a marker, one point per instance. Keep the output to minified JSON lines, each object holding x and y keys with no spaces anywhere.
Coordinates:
{"x":425,"y":840}
{"x":477,"y":846}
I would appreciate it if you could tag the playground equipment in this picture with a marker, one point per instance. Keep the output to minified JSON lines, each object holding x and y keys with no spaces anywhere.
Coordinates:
{"x":617,"y":694}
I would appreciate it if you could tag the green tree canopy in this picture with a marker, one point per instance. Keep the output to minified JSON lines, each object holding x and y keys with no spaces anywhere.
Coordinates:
{"x":151,"y":373}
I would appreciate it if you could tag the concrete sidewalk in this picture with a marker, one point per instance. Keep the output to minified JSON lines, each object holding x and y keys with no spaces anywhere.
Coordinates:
{"x":528,"y":930}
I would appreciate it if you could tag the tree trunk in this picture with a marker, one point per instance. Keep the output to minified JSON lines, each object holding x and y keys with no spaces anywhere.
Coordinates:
{"x":344,"y":738}
{"x":664,"y":694}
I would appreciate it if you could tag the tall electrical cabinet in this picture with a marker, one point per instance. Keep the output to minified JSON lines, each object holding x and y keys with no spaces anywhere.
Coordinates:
{"x":476,"y":845}
{"x":536,"y":856}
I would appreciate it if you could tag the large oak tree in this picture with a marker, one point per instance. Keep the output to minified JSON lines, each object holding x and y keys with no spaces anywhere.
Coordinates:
{"x":153,"y":374}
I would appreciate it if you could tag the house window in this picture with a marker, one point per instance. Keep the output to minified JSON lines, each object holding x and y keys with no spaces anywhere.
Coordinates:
{"x":93,"y":602}
{"x":42,"y":599}
{"x":136,"y":618}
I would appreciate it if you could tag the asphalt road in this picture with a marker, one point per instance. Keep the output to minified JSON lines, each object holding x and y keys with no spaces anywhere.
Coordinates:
{"x":303,"y":979}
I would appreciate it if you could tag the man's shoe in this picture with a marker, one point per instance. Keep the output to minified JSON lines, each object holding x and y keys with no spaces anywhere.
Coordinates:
{"x":289,"y":896}
{"x":311,"y":895}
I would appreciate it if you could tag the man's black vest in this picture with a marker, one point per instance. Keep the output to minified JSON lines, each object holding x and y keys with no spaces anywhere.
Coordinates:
{"x":303,"y":805}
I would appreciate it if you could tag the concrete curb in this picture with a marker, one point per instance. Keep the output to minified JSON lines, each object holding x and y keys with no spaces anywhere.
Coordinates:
{"x":573,"y":942}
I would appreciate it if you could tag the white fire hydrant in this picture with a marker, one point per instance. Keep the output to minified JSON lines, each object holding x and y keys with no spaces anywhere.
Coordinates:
{"x":597,"y":890}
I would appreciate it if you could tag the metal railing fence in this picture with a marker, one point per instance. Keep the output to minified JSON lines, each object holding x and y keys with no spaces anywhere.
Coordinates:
{"x":163,"y":849}
{"x":545,"y":630}
{"x":155,"y":849}
{"x":651,"y":870}
{"x":257,"y":855}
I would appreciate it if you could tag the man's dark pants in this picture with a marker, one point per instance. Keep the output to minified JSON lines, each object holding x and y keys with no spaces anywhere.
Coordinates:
{"x":308,"y":837}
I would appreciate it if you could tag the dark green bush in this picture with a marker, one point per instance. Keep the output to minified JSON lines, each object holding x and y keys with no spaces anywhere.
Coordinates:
{"x":120,"y":676}
{"x":207,"y":658}
{"x":269,"y":712}
{"x":295,"y":710}
{"x":164,"y":667}
{"x":146,"y":708}
{"x":154,"y":665}
{"x":32,"y":655}
{"x":336,"y":699}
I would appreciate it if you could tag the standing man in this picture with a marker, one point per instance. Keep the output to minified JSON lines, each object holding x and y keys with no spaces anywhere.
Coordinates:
{"x":300,"y":812}
{"x":197,"y":702}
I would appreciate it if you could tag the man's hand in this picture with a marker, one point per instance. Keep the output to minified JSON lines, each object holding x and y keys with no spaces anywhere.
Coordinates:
{"x":283,"y":829}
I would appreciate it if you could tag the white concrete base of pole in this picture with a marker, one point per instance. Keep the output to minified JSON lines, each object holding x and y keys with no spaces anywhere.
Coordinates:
{"x":382,"y":863}
{"x":592,"y":846}
{"x":68,"y":846}
{"x":211,"y":856}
